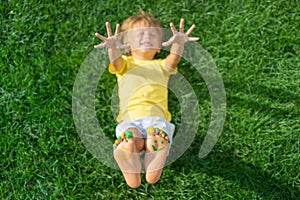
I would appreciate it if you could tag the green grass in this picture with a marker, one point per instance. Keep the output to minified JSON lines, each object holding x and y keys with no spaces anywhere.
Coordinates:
{"x":256,"y":49}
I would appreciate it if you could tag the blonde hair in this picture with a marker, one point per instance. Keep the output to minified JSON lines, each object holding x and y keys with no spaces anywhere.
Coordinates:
{"x":146,"y":18}
{"x":149,"y":19}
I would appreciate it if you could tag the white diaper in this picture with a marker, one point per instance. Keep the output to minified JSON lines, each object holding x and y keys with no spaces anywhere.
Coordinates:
{"x":142,"y":124}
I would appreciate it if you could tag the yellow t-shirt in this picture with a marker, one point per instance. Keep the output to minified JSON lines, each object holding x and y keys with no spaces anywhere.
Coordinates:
{"x":143,"y":88}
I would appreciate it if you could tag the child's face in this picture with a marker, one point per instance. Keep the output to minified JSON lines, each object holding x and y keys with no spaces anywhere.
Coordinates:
{"x":144,"y":39}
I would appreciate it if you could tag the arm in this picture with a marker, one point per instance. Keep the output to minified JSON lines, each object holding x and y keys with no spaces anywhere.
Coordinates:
{"x":174,"y":57}
{"x":178,"y":40}
{"x":113,"y":45}
{"x":115,"y":58}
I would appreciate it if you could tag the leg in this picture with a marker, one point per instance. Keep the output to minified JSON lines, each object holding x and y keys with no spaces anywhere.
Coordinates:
{"x":157,"y":149}
{"x":127,"y":155}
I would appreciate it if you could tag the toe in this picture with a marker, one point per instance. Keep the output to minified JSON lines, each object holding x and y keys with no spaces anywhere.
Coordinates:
{"x":157,"y":139}
{"x":124,"y":137}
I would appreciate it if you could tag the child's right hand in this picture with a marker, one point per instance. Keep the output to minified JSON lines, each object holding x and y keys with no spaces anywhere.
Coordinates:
{"x":112,"y":41}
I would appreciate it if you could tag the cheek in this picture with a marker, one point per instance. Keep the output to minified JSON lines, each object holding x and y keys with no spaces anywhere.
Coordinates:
{"x":158,"y":44}
{"x":133,"y":41}
{"x":136,"y":38}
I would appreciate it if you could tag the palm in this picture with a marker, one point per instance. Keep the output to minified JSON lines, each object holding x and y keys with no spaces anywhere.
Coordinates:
{"x":180,"y":37}
{"x":112,"y":41}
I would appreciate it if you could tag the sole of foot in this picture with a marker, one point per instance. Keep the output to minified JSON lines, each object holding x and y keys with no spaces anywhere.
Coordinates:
{"x":157,"y":149}
{"x":127,"y":156}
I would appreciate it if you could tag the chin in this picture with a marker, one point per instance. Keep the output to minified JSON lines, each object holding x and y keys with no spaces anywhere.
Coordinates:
{"x":147,"y":49}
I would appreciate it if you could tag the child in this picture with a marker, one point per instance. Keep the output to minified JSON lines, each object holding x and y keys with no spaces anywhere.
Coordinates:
{"x":144,"y":119}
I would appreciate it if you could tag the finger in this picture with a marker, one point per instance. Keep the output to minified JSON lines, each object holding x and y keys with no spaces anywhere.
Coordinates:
{"x":101,"y":37}
{"x":117,"y":29}
{"x":191,"y":39}
{"x":181,"y":25}
{"x":108,"y":29}
{"x":173,"y":29}
{"x":191,"y":29}
{"x":100,"y":45}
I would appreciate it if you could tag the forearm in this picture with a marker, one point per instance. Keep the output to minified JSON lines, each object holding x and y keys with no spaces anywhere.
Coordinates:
{"x":177,"y":40}
{"x":175,"y":55}
{"x":115,"y":58}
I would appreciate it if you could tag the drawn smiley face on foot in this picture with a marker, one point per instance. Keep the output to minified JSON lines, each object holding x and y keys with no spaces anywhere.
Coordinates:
{"x":159,"y":143}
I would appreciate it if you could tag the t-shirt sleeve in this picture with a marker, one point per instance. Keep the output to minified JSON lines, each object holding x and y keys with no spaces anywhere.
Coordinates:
{"x":121,"y":70}
{"x":169,"y":69}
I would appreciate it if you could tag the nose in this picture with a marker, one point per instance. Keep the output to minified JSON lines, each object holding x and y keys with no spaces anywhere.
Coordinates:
{"x":146,"y":35}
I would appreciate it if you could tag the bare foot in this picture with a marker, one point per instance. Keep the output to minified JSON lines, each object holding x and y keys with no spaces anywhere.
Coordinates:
{"x":127,"y":154}
{"x":157,"y":148}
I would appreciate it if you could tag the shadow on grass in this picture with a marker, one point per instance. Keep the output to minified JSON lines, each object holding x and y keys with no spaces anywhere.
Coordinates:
{"x":277,"y":103}
{"x":246,"y":175}
{"x":263,"y":98}
{"x":232,"y":168}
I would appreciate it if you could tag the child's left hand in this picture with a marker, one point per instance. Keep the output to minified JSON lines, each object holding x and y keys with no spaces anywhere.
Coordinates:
{"x":180,"y":37}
